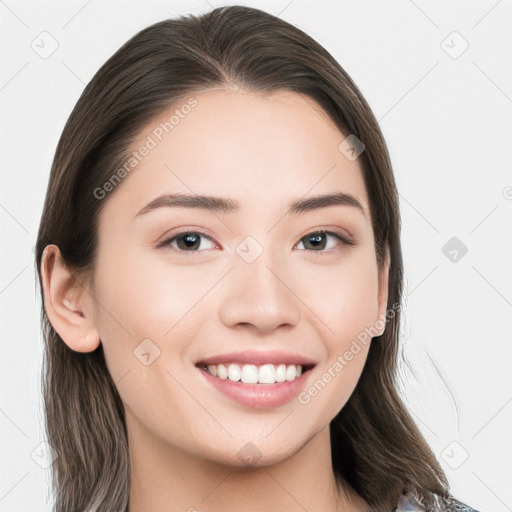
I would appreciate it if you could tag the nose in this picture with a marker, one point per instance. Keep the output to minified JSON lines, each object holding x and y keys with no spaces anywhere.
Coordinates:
{"x":259,"y":296}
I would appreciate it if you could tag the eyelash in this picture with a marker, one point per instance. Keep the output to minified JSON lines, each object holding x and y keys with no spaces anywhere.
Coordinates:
{"x":341,"y":237}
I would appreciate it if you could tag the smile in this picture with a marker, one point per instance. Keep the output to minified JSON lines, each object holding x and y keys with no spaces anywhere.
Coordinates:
{"x":256,"y":379}
{"x":255,"y":374}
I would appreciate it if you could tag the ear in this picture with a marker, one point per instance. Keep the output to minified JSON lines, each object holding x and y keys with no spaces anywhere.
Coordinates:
{"x":383,"y":291}
{"x":67,"y":303}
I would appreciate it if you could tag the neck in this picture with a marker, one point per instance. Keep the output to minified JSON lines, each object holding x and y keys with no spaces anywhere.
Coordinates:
{"x":165,"y":478}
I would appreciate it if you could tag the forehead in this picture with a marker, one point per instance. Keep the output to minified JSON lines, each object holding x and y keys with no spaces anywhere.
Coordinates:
{"x":262,"y":149}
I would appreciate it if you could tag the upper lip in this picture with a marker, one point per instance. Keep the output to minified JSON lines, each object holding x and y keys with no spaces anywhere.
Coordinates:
{"x":259,"y":357}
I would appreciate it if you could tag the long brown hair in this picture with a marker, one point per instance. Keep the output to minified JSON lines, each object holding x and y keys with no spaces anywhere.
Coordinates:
{"x":376,"y":446}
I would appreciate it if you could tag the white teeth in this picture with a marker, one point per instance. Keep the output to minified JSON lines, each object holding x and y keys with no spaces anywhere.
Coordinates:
{"x":222,"y":372}
{"x":252,"y":374}
{"x":267,"y":374}
{"x":291,"y":372}
{"x":249,"y":374}
{"x":234,"y":372}
{"x":281,"y":373}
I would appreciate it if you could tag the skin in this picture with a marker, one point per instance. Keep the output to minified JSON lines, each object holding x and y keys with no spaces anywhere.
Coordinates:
{"x":184,"y":436}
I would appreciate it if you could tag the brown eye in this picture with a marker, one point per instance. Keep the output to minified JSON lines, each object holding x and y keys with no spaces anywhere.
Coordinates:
{"x":186,"y":241}
{"x":317,"y":241}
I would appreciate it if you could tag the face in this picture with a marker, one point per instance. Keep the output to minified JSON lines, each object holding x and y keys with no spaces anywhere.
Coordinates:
{"x":177,"y":285}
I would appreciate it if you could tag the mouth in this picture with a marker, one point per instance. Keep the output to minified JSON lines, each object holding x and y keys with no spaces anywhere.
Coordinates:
{"x":257,"y":379}
{"x":255,"y":374}
{"x":256,"y":366}
{"x":257,"y":386}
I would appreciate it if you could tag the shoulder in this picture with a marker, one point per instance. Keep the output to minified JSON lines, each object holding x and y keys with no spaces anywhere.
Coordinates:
{"x":453,"y":505}
{"x":411,"y":502}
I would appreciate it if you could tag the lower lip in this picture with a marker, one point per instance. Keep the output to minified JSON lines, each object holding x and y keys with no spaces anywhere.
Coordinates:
{"x":259,"y":396}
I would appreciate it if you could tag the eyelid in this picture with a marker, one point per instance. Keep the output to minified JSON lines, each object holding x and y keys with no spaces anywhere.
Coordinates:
{"x":182,"y":231}
{"x":342,"y":237}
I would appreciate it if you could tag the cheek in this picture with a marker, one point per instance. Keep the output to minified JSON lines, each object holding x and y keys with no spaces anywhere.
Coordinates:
{"x":141,"y":298}
{"x":343,"y":296}
{"x":143,"y":313}
{"x":145,"y":296}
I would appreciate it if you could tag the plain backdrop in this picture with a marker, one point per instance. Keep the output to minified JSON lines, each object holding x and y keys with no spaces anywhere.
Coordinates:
{"x":437,"y":75}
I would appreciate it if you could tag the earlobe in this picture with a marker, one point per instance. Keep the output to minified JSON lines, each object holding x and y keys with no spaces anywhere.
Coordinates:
{"x":67,"y":303}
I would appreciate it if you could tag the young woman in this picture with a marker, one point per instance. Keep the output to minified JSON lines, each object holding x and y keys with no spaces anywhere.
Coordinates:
{"x":220,"y":264}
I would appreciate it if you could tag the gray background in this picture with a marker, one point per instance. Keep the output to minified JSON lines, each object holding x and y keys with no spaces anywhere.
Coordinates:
{"x":446,"y":113}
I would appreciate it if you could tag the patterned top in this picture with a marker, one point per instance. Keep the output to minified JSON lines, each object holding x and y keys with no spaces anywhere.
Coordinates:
{"x":410,"y":502}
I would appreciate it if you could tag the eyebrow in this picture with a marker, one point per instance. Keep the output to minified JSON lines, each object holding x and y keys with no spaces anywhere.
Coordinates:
{"x":230,"y":206}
